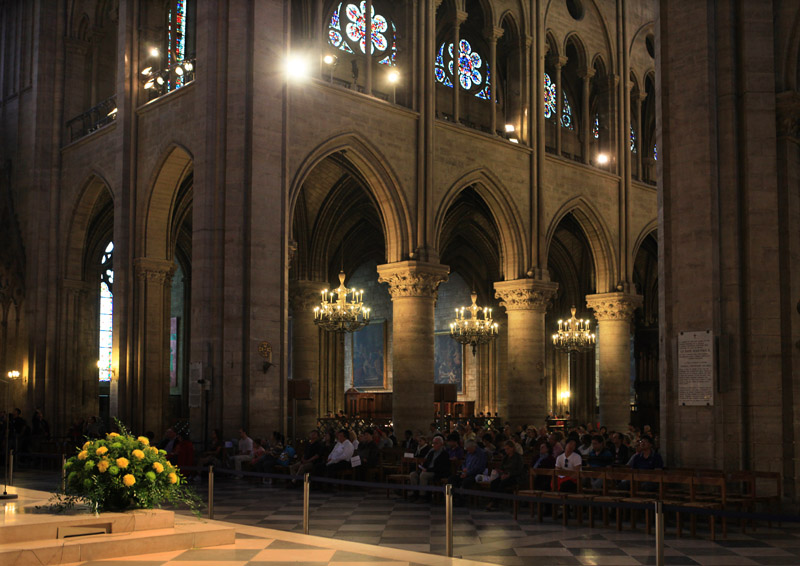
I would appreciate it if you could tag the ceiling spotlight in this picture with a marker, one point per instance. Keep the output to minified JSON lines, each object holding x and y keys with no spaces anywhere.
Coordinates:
{"x":146,"y":71}
{"x":150,"y":83}
{"x":602,"y":158}
{"x":154,"y":52}
{"x":179,"y":71}
{"x":296,"y":67}
{"x":513,"y":140}
{"x":509,"y":128}
{"x":160,"y":80}
{"x":113,"y":112}
{"x":188,"y":66}
{"x":393,"y":76}
{"x":329,"y":59}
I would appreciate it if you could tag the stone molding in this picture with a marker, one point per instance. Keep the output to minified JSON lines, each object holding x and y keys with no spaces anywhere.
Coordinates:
{"x":305,"y":295}
{"x":413,"y":278}
{"x":75,"y":287}
{"x":525,"y":294}
{"x":613,"y":306}
{"x":788,"y":114}
{"x":154,"y":270}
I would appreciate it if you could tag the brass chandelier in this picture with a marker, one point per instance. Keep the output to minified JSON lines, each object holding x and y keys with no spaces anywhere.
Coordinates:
{"x":472,"y":329}
{"x":341,"y":315}
{"x":574,"y":335}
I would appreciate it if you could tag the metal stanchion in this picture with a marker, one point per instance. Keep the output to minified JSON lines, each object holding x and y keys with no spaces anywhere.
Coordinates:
{"x":659,"y":533}
{"x":211,"y":492}
{"x":306,"y":501}
{"x":11,"y":468}
{"x":63,"y":473}
{"x":448,"y":519}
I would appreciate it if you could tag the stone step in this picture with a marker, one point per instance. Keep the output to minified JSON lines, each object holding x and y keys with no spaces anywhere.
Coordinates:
{"x":187,"y":532}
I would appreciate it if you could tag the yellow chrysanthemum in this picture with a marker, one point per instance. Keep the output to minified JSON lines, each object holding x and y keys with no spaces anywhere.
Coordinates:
{"x":103,"y":465}
{"x":87,"y":444}
{"x":112,"y":435}
{"x":100,"y":451}
{"x":144,"y":440}
{"x":173,"y":478}
{"x":82,"y":455}
{"x":138,"y":454}
{"x":153,"y":450}
{"x":122,"y":462}
{"x":158,"y":467}
{"x":128,"y":480}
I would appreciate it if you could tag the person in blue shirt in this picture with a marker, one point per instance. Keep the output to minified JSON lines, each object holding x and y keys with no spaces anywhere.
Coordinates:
{"x":647,"y":458}
{"x":474,"y":463}
{"x":599,"y":456}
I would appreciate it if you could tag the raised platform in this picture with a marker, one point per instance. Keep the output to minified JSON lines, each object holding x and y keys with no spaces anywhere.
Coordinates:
{"x":32,"y":538}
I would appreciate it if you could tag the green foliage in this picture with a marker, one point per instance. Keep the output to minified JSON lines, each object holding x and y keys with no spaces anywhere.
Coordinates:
{"x":122,"y":472}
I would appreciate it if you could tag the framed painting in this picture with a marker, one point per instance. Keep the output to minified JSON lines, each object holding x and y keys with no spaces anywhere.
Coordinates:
{"x":448,"y":361}
{"x":369,"y":356}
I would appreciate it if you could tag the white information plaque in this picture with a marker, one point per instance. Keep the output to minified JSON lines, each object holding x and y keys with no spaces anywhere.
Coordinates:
{"x":696,"y":368}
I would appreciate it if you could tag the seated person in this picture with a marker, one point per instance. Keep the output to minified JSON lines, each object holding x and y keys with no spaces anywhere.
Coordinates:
{"x":342,"y":452}
{"x":245,"y":451}
{"x":512,"y":469}
{"x":409,"y":443}
{"x":569,"y":460}
{"x":454,"y":449}
{"x":215,"y":456}
{"x":369,"y":454}
{"x":474,"y":463}
{"x":619,"y":452}
{"x":422,"y":447}
{"x":313,"y":459}
{"x":646,"y":457}
{"x":435,"y":467}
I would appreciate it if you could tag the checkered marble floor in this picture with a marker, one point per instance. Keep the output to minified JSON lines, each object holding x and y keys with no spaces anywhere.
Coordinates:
{"x":494,"y":537}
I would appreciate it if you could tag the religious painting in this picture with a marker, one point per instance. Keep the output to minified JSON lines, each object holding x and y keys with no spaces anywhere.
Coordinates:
{"x":449,"y":367}
{"x":369,"y":356}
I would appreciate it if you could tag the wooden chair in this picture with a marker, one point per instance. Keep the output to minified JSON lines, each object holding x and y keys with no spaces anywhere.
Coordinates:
{"x":647,"y":487}
{"x":713,"y":496}
{"x":768,"y":490}
{"x":589,"y":477}
{"x":617,"y":486}
{"x":545,"y":478}
{"x":678,"y":489}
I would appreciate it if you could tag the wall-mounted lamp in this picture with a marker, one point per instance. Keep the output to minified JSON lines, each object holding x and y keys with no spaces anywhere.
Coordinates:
{"x":14,"y":374}
{"x":265,"y":350}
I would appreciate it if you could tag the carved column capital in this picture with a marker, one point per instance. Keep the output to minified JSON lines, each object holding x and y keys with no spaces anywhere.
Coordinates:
{"x":493,"y":33}
{"x":154,"y":270}
{"x":525,"y":294}
{"x":305,"y":295}
{"x":74,"y":287}
{"x":413,"y":278}
{"x":613,"y":306}
{"x":586,"y":73}
{"x":460,"y":17}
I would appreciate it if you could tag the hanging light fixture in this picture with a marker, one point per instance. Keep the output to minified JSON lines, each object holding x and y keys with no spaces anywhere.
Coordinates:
{"x":574,"y":335}
{"x":341,"y":315}
{"x":469,"y":328}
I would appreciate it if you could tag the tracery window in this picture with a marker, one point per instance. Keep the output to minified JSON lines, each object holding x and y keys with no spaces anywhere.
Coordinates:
{"x":655,"y":152}
{"x":176,"y":40}
{"x":549,"y":97}
{"x":106,"y":312}
{"x":347,"y":32}
{"x":566,"y":114}
{"x":596,"y":127}
{"x":473,"y":71}
{"x":633,"y":140}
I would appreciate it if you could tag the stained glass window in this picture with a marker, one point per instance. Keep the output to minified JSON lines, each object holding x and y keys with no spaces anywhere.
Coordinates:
{"x":596,"y":127}
{"x":566,"y":114}
{"x":176,"y":40}
{"x":106,"y":312}
{"x":655,"y":152}
{"x":347,"y":32}
{"x":473,"y":71}
{"x":549,"y":97}
{"x":633,"y":140}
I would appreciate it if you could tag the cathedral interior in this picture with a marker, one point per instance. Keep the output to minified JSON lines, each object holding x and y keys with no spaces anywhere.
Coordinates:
{"x":183,"y":182}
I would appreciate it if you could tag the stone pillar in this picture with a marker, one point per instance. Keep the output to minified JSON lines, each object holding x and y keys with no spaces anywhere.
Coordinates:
{"x":586,"y":121}
{"x":460,"y":18}
{"x":303,"y":297}
{"x":559,"y":64}
{"x":492,"y":36}
{"x":614,"y":313}
{"x":368,"y":47}
{"x":413,"y":286}
{"x":149,"y":389}
{"x":521,"y":396}
{"x":639,"y":100}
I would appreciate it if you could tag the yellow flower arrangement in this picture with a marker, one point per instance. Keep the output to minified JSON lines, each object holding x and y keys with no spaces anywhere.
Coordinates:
{"x":144,"y":440}
{"x":153,"y":450}
{"x":82,"y":455}
{"x":128,"y":480}
{"x":103,"y":465}
{"x":122,"y":462}
{"x":158,"y":467}
{"x":173,"y":478}
{"x":138,"y":454}
{"x":112,"y":435}
{"x":87,"y":444}
{"x":100,"y":451}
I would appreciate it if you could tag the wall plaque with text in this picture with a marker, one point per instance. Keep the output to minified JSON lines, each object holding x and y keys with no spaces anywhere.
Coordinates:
{"x":696,"y":368}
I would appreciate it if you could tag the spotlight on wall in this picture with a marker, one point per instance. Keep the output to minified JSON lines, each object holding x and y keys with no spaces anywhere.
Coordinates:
{"x":513,"y":140}
{"x":329,"y":59}
{"x":160,"y":80}
{"x":155,"y":52}
{"x":147,"y":71}
{"x":150,"y":84}
{"x":179,"y":71}
{"x":113,"y":112}
{"x":393,"y":76}
{"x":296,"y":67}
{"x":602,"y":159}
{"x":14,"y":374}
{"x":510,"y":128}
{"x":188,"y":66}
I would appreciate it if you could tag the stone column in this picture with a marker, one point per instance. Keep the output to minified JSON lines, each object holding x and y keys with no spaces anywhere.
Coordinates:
{"x":521,"y":396}
{"x":492,"y":36}
{"x":149,"y":389}
{"x":368,"y":47}
{"x":413,"y":286}
{"x":559,"y":64}
{"x":460,"y":18}
{"x":639,"y":100}
{"x":586,"y":122}
{"x":614,"y":313}
{"x":303,"y":297}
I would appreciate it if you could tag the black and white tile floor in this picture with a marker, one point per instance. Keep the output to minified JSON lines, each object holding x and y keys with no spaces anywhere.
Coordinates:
{"x":494,"y":537}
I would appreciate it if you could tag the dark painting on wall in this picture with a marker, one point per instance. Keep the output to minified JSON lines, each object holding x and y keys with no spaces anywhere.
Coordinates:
{"x":449,"y":363}
{"x":369,"y":364}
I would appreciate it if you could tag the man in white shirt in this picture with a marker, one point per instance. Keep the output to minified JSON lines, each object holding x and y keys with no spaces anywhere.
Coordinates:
{"x":339,"y":458}
{"x":245,"y":452}
{"x":569,"y":460}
